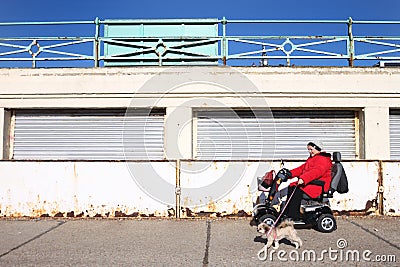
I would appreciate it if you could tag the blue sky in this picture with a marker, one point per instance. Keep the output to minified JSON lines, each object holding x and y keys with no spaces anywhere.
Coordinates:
{"x":50,"y":10}
{"x":88,"y":10}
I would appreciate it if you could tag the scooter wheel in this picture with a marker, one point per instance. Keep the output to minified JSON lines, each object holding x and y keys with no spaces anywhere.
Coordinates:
{"x":268,"y":219}
{"x":326,"y":223}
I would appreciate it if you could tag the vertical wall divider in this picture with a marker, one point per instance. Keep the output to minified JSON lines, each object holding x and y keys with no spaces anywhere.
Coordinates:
{"x":380,"y":189}
{"x":178,"y":189}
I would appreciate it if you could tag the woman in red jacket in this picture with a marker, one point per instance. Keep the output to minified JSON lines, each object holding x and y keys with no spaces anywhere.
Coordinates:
{"x":317,"y":167}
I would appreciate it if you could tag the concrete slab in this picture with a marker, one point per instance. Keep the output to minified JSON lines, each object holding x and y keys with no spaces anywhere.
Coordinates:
{"x":358,"y":241}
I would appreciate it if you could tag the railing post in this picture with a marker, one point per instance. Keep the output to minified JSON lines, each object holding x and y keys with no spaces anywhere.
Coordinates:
{"x":96,"y":48}
{"x":224,"y":44}
{"x":350,"y":42}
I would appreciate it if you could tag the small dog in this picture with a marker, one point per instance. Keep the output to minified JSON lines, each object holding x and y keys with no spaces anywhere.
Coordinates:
{"x":284,"y":230}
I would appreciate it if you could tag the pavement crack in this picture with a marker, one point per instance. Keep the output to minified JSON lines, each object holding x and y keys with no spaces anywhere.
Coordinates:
{"x":32,"y":239}
{"x":206,"y":253}
{"x":374,"y":234}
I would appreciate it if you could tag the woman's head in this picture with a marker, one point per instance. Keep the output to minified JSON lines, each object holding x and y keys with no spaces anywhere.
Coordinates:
{"x":314,"y":147}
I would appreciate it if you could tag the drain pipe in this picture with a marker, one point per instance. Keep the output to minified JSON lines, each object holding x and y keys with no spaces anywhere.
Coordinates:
{"x":381,"y":188}
{"x":178,"y":190}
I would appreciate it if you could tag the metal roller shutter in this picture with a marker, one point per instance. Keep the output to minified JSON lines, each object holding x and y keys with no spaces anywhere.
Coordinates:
{"x":90,"y":135}
{"x":294,"y":129}
{"x":395,"y":134}
{"x":234,"y":135}
{"x":229,"y":135}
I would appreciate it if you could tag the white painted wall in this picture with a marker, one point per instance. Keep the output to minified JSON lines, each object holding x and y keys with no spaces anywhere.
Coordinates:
{"x":372,"y":91}
{"x":3,"y":133}
{"x":377,"y":131}
{"x":178,"y":133}
{"x":102,"y":188}
{"x":391,"y":187}
{"x":35,"y":188}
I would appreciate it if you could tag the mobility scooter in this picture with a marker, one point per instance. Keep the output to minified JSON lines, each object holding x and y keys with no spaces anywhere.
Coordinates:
{"x":315,"y":212}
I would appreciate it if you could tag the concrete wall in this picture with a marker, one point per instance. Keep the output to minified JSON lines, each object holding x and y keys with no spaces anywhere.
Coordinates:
{"x":371,"y":91}
{"x":107,"y":188}
{"x":77,"y":189}
{"x":112,"y":189}
{"x":390,"y":187}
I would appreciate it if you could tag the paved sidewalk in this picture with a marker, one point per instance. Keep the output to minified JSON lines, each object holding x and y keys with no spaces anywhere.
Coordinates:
{"x":189,"y":242}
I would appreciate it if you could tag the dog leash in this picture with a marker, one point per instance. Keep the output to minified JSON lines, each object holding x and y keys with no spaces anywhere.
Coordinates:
{"x":281,"y":212}
{"x":263,"y":250}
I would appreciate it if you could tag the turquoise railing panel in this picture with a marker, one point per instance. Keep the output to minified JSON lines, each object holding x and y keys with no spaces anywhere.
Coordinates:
{"x":150,"y":42}
{"x":167,"y":42}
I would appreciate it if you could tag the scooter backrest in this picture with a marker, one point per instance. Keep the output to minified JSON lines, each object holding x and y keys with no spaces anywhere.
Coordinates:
{"x":337,"y":171}
{"x":337,"y":156}
{"x":339,"y":179}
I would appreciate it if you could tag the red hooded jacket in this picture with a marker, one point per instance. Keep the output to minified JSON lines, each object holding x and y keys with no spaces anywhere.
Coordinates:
{"x":315,"y":168}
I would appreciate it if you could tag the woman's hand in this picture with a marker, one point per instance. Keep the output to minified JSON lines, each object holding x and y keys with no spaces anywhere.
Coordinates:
{"x":300,"y":181}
